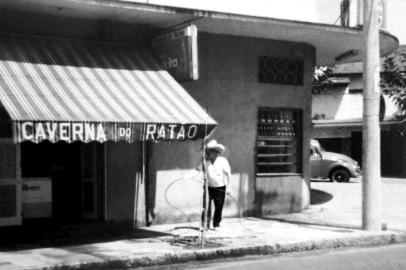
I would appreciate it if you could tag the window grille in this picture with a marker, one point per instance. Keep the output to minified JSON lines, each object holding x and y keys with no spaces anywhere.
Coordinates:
{"x":280,"y":71}
{"x":278,"y":141}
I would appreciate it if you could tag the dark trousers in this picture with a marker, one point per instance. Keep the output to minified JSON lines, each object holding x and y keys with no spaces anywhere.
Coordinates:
{"x":217,"y":195}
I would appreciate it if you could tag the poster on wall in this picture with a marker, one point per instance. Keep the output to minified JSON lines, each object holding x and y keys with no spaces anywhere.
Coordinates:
{"x":37,"y":197}
{"x":177,"y":52}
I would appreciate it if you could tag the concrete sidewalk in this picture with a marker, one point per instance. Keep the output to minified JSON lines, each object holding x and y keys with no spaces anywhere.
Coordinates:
{"x":339,"y":204}
{"x":178,"y":243}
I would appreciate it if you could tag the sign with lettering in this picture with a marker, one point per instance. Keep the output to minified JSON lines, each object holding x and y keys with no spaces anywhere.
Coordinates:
{"x":37,"y":190}
{"x":37,"y":197}
{"x":102,"y":132}
{"x":177,"y":51}
{"x":171,"y":132}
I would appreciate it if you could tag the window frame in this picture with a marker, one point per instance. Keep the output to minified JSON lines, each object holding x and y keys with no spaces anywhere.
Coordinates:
{"x":298,"y":114}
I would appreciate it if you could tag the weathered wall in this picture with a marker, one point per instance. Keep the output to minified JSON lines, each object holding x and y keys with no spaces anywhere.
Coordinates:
{"x":228,"y":88}
{"x":125,"y":190}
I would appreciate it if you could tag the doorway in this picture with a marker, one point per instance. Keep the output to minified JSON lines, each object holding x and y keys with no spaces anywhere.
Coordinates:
{"x":75,"y":175}
{"x":10,"y":183}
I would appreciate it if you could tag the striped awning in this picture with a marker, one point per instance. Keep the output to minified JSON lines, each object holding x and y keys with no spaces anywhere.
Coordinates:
{"x":71,"y":90}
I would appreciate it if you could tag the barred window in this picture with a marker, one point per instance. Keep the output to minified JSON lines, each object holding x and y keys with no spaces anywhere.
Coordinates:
{"x":278,"y":141}
{"x":280,"y":71}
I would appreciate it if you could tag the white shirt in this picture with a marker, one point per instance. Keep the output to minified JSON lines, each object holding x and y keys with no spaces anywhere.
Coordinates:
{"x":217,"y":172}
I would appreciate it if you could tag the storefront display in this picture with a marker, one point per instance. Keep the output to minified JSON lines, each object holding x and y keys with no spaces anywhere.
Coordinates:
{"x":278,"y":141}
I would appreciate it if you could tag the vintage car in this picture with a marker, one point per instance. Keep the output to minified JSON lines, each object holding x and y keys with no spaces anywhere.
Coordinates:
{"x":334,"y":166}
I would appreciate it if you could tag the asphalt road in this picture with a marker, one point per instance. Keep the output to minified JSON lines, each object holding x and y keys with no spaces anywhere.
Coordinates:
{"x":382,"y":258}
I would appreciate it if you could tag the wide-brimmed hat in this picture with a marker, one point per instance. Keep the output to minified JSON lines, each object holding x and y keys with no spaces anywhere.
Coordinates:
{"x":213,"y":145}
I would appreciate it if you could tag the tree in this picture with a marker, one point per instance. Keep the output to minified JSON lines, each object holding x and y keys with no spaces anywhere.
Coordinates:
{"x":393,"y":80}
{"x":321,"y":78}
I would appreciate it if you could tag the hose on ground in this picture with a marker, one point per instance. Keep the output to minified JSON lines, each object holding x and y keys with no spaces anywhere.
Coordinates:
{"x":188,"y":218}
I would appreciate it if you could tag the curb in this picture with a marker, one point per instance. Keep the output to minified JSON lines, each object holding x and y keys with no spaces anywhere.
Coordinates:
{"x":230,"y":252}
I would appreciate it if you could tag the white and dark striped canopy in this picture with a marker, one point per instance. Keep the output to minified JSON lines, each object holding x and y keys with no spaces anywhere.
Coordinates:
{"x":62,"y":88}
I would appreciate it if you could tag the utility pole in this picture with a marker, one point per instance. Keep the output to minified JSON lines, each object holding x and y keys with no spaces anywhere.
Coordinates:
{"x":371,"y":142}
{"x":205,"y":198}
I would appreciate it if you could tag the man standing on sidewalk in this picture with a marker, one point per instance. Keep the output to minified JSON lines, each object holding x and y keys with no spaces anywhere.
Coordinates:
{"x":217,"y":173}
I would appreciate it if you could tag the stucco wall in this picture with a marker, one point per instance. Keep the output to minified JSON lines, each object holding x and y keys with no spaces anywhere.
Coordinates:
{"x":125,"y":190}
{"x":228,"y":88}
{"x":338,"y":103}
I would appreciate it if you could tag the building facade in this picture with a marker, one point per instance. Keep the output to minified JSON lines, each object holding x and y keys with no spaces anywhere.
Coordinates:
{"x":255,"y":80}
{"x":337,"y":119}
{"x":337,"y":113}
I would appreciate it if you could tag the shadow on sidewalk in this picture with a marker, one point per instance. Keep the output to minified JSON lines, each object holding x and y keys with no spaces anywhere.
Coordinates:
{"x":332,"y":227}
{"x":329,"y":226}
{"x":319,"y":196}
{"x":46,"y":235}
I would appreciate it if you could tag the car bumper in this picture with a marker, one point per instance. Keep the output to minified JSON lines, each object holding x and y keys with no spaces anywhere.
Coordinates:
{"x":356,"y":172}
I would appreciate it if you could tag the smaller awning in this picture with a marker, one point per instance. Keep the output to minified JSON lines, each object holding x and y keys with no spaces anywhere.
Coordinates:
{"x":70,"y":90}
{"x":353,"y":123}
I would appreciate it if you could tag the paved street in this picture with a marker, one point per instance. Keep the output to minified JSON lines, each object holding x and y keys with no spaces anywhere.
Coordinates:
{"x":176,"y":243}
{"x":281,"y":236}
{"x":388,"y":258}
{"x":339,"y":204}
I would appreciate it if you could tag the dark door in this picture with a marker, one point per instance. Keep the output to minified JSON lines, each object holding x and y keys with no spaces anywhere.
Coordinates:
{"x":92,"y":174}
{"x":66,"y":182}
{"x":356,"y":147}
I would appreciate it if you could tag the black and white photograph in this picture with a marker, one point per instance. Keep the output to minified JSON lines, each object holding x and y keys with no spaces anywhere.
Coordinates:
{"x":203,"y":134}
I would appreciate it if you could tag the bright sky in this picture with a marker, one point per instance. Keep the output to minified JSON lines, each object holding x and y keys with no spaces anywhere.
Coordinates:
{"x":321,"y":11}
{"x":325,"y":11}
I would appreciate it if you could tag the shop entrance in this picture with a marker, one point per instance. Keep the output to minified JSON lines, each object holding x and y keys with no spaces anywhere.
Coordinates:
{"x":62,"y":182}
{"x":10,"y":183}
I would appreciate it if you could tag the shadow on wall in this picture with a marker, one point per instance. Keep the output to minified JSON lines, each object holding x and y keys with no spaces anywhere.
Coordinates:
{"x":150,"y":193}
{"x":262,"y":198}
{"x":237,"y":201}
{"x":276,"y":203}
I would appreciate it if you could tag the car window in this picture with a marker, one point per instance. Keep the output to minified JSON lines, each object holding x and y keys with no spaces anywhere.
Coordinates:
{"x":316,"y":146}
{"x":321,"y":149}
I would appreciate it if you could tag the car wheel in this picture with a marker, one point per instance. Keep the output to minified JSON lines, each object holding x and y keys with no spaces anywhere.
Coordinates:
{"x":339,"y":175}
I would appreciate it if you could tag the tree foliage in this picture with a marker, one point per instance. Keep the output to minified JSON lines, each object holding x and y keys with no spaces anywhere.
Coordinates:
{"x":321,"y":78}
{"x":393,"y":80}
